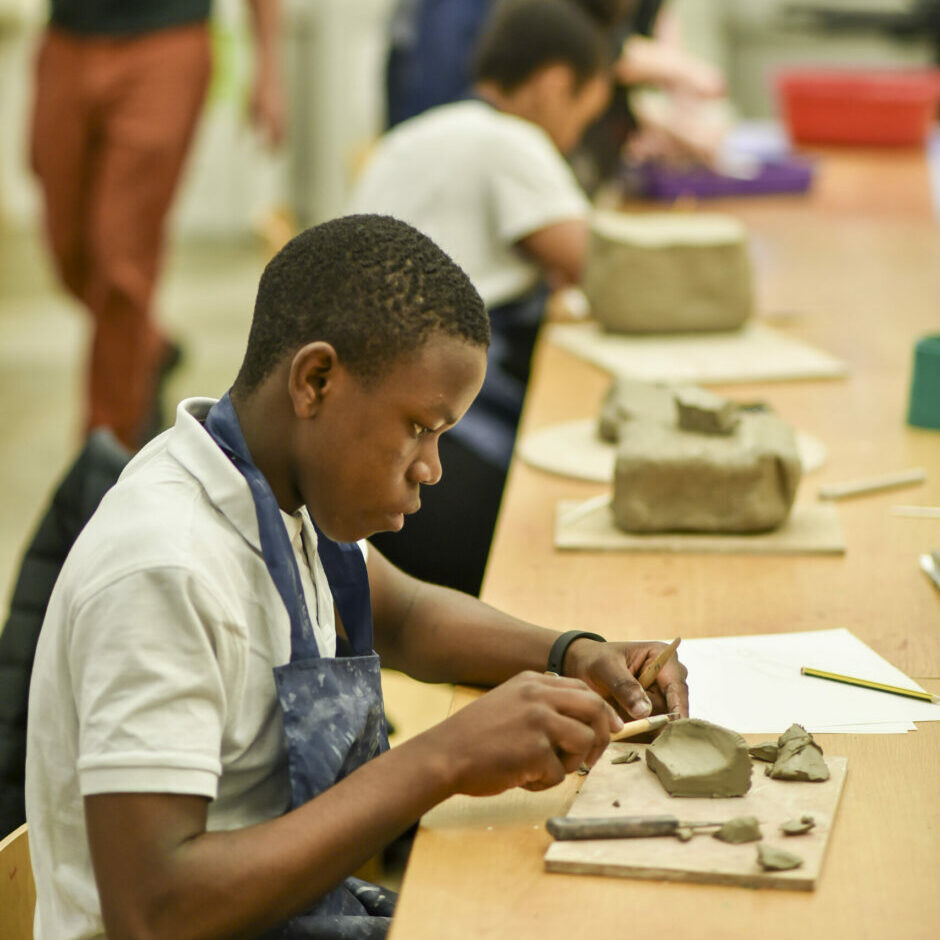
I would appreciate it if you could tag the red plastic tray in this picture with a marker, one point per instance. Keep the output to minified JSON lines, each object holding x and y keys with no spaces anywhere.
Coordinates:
{"x":871,"y":107}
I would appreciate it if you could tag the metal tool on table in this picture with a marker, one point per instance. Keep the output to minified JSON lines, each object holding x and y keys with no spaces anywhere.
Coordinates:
{"x":566,"y":828}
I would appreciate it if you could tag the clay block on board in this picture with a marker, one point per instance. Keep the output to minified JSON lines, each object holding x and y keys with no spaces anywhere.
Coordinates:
{"x":691,"y":461}
{"x":669,"y":480}
{"x":668,"y":272}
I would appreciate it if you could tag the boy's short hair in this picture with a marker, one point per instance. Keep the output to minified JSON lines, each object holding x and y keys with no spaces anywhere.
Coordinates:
{"x":373,"y":287}
{"x":523,"y":36}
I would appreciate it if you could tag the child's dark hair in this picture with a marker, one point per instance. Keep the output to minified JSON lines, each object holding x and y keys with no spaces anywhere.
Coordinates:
{"x":373,"y":287}
{"x":523,"y":36}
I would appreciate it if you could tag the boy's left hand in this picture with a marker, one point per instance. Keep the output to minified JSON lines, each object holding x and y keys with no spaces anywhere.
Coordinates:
{"x":610,"y":669}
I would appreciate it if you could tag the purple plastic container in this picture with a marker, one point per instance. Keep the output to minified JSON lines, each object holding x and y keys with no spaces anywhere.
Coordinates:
{"x":779,"y":175}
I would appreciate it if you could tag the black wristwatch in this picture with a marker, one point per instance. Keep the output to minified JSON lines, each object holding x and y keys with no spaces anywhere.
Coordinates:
{"x":556,"y":656}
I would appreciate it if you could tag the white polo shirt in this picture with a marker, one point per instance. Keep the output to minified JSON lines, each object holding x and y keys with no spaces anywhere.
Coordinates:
{"x":153,"y":671}
{"x":475,"y":181}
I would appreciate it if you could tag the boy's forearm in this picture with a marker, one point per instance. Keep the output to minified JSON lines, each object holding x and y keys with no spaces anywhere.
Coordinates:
{"x":448,"y":636}
{"x":242,"y":882}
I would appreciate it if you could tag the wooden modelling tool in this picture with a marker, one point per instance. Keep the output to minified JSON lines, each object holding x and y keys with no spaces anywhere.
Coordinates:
{"x":642,"y":725}
{"x":648,"y":675}
{"x":567,"y":828}
{"x":873,"y":485}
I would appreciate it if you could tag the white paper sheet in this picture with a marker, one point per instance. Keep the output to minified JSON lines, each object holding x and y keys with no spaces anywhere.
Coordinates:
{"x":753,"y":684}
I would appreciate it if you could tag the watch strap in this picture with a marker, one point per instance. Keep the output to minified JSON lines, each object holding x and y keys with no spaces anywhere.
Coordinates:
{"x":556,"y":656}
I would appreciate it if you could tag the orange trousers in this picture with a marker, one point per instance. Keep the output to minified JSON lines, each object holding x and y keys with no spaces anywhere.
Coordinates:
{"x":112,"y":123}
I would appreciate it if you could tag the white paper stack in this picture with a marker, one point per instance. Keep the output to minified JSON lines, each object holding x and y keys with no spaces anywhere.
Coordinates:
{"x":753,"y":684}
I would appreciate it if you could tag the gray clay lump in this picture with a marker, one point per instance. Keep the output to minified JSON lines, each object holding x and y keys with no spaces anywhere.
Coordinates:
{"x":628,"y":757}
{"x":740,"y":829}
{"x":691,"y":461}
{"x":765,"y":751}
{"x":798,"y":827}
{"x":692,"y":757}
{"x":799,"y":757}
{"x":772,"y":859}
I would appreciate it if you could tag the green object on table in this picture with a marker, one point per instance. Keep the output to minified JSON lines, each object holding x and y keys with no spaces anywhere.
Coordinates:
{"x":924,"y":407}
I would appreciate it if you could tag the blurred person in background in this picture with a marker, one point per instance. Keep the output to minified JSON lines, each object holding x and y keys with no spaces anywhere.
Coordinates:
{"x":119,"y":89}
{"x":429,"y":64}
{"x":487,"y":180}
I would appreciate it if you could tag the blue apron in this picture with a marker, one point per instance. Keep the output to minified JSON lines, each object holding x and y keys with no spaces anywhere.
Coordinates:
{"x":333,"y":714}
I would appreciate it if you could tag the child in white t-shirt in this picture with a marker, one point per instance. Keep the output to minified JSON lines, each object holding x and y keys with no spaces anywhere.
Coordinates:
{"x":487,"y":180}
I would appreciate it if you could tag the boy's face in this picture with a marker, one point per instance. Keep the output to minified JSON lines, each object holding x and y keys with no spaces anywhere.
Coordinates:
{"x":361,"y":460}
{"x":568,"y":111}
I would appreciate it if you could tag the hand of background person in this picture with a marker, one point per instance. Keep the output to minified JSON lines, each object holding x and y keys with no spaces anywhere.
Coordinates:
{"x":677,"y":129}
{"x":267,"y":106}
{"x":662,"y":64}
{"x":529,"y":732}
{"x":610,"y":669}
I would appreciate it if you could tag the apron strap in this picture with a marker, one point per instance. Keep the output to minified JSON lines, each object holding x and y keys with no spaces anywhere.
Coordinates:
{"x":222,"y":425}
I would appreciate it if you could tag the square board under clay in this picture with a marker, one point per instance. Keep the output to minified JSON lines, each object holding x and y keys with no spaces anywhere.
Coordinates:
{"x":703,"y":859}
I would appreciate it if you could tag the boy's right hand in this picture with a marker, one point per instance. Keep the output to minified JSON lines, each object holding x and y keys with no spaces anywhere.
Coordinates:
{"x":528,"y":732}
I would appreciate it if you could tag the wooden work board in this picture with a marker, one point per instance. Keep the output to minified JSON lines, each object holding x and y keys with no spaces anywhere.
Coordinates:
{"x":810,"y":529}
{"x":703,"y":859}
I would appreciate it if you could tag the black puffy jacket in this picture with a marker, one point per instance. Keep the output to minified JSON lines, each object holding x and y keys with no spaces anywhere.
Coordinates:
{"x":94,"y":472}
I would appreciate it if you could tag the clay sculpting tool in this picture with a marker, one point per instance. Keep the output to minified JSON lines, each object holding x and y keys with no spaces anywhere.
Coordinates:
{"x":873,"y":485}
{"x":930,"y":565}
{"x":869,"y":684}
{"x":648,"y":675}
{"x":916,"y":512}
{"x":567,"y":828}
{"x":589,"y":506}
{"x":642,"y":725}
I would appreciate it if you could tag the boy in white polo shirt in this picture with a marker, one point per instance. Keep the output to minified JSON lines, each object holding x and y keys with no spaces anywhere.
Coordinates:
{"x":206,"y":752}
{"x":487,"y":180}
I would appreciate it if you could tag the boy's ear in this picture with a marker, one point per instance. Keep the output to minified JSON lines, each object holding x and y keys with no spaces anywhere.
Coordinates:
{"x":312,"y":375}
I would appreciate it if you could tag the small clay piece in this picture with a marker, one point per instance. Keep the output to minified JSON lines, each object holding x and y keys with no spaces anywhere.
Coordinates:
{"x":771,"y":859}
{"x":628,"y":757}
{"x":705,"y":412}
{"x":765,"y":751}
{"x":692,"y":757}
{"x":740,"y":829}
{"x":799,"y":757}
{"x":664,"y":272}
{"x":616,"y":804}
{"x":798,"y":827}
{"x":684,"y":834}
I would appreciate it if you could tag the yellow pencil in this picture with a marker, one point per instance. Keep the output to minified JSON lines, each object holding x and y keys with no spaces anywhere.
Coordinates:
{"x":868,"y":684}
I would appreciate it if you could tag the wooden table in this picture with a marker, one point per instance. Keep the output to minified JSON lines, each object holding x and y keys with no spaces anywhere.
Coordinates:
{"x":855,"y":269}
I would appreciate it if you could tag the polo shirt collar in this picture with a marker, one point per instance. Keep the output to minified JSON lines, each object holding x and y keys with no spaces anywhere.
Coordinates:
{"x":190,"y":444}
